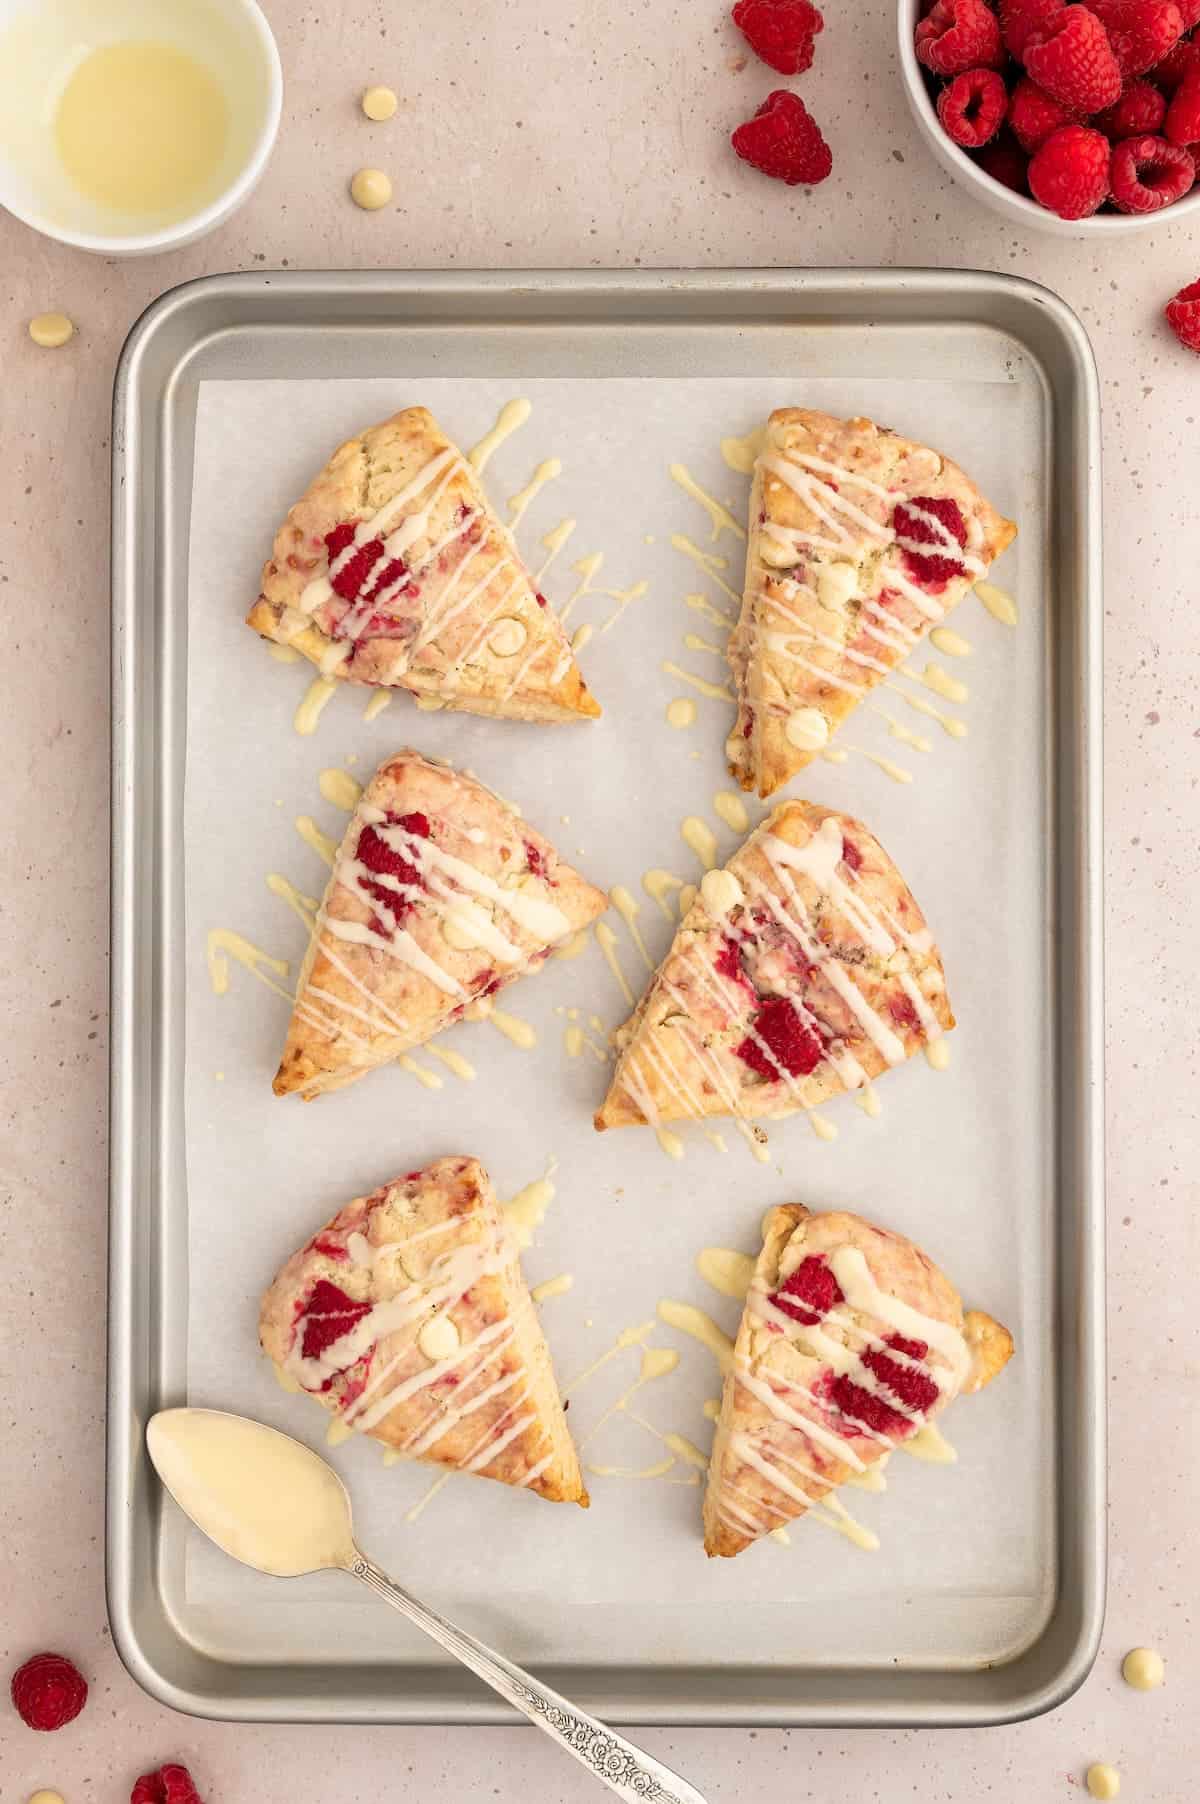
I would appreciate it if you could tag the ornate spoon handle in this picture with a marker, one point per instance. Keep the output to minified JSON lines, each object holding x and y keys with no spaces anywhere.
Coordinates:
{"x":613,"y":1760}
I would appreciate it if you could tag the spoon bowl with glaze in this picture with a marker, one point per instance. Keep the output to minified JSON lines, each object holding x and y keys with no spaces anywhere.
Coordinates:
{"x":275,"y":1505}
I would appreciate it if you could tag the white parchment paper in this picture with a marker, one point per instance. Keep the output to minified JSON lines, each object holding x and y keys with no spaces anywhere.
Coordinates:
{"x":959,"y":1160}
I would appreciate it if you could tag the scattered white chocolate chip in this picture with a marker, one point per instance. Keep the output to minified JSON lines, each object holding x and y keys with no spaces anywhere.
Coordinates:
{"x":508,"y":637}
{"x":1142,"y":1668}
{"x":807,"y":729}
{"x":379,"y":104}
{"x":777,"y":555}
{"x":439,"y":1338}
{"x":47,"y":1797}
{"x":1103,"y":1781}
{"x":721,"y":892}
{"x":370,"y":189}
{"x":49,"y":330}
{"x":836,"y":583}
{"x":681,"y":712}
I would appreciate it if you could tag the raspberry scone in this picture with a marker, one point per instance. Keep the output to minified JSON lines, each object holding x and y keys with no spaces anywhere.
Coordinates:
{"x":394,"y":570}
{"x":407,"y":1316}
{"x":802,"y":969}
{"x":851,"y":1342}
{"x":860,"y":542}
{"x":440,"y":895}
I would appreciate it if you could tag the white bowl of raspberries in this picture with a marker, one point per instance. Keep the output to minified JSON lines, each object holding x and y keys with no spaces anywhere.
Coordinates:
{"x":1076,"y":117}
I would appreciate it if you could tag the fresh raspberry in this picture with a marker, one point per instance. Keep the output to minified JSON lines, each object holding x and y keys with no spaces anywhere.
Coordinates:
{"x":328,"y":1314}
{"x":48,"y":1691}
{"x":936,"y":521}
{"x":867,"y":1409}
{"x":1007,"y":163}
{"x":1183,"y":115}
{"x":171,"y":1784}
{"x":1141,"y":32}
{"x":971,"y":107}
{"x":784,"y":141}
{"x":959,"y":35}
{"x":1069,"y":173}
{"x":1189,"y":12}
{"x":914,"y":1388}
{"x":810,"y":1292}
{"x":1175,"y":65}
{"x":781,"y":32}
{"x":1020,"y":18}
{"x":1072,"y":59}
{"x":1141,"y":109}
{"x":1034,"y":114}
{"x":378,"y":856}
{"x":1148,"y":173}
{"x":780,"y":1029}
{"x":1183,"y":316}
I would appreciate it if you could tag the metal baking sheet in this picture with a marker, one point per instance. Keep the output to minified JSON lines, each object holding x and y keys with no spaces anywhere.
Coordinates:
{"x":983,"y":1610}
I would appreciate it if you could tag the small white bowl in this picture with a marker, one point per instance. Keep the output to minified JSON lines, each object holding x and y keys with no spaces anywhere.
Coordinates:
{"x":1019,"y":207}
{"x":42,"y":42}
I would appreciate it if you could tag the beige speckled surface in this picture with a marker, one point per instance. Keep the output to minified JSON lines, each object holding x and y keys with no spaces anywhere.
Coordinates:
{"x":607,"y":121}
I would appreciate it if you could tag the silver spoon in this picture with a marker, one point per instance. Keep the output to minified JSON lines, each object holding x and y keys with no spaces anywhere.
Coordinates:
{"x":272,"y":1503}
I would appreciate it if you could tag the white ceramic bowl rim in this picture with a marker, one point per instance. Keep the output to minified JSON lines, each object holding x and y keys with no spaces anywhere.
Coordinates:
{"x":192,"y":225}
{"x":957,"y":163}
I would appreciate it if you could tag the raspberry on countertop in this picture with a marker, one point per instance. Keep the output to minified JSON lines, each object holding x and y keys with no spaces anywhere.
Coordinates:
{"x":781,"y":32}
{"x":48,"y":1691}
{"x":784,"y":141}
{"x":1183,"y":316}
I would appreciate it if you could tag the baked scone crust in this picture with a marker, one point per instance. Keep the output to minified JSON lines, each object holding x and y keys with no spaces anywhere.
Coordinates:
{"x":458,"y":623}
{"x":420,"y":1332}
{"x":846,"y":573}
{"x":440,"y":896}
{"x":801,"y":1410}
{"x":825,"y":923}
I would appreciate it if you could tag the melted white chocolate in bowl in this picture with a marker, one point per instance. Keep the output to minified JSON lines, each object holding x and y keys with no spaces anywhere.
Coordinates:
{"x":262,"y":1497}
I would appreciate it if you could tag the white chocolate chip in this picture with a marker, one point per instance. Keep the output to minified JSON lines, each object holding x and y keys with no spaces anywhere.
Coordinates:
{"x":507,"y":637}
{"x":370,"y":189}
{"x":50,"y":330}
{"x":429,"y":704}
{"x":777,"y":555}
{"x":379,"y":104}
{"x":1142,"y":1668}
{"x":1103,"y":1781}
{"x":836,"y":583}
{"x":439,"y":1338}
{"x":721,"y":892}
{"x":807,"y":729}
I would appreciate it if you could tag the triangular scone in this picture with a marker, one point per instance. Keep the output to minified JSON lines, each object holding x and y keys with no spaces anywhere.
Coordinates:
{"x":394,"y":570}
{"x":407,"y":1316}
{"x":802,"y":969}
{"x":860,"y":542}
{"x":440,"y":895}
{"x":851,"y":1342}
